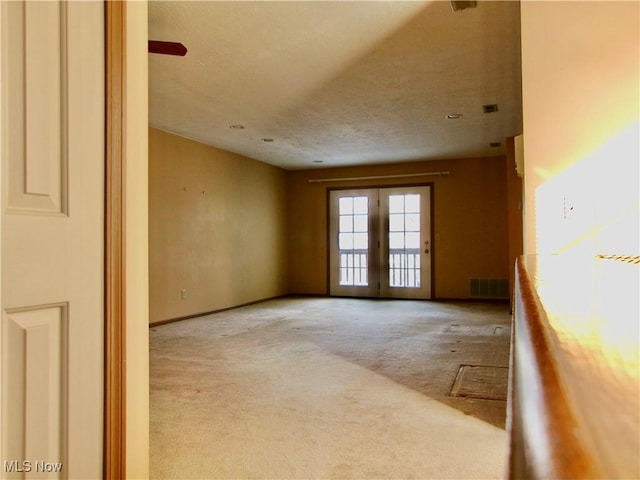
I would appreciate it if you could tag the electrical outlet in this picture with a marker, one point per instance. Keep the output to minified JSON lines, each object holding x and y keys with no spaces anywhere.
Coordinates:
{"x":183,"y":294}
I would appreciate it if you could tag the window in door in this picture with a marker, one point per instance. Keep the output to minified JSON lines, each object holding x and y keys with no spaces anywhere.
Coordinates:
{"x":353,"y":240}
{"x":404,"y":240}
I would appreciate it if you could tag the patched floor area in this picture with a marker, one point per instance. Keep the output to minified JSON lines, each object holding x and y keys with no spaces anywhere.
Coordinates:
{"x":481,"y":382}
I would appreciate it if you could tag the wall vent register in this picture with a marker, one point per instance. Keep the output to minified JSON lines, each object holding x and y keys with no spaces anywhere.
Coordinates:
{"x":497,"y":288}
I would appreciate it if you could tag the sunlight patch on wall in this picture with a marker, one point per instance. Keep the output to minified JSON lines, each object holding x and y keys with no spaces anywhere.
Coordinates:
{"x":593,"y":205}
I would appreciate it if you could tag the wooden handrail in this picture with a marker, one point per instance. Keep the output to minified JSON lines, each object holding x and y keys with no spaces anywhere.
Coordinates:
{"x":544,"y":440}
{"x":555,"y":428}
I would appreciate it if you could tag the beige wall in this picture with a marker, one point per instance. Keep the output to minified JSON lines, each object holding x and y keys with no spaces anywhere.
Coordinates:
{"x":470,"y":221}
{"x":217,"y":225}
{"x":580,"y":66}
{"x":277,"y":222}
{"x":137,"y":245}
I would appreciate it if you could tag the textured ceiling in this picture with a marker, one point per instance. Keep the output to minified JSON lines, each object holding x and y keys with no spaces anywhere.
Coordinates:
{"x":342,"y":83}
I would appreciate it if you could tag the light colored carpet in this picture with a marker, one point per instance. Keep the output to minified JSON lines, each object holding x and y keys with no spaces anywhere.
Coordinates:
{"x":327,"y":388}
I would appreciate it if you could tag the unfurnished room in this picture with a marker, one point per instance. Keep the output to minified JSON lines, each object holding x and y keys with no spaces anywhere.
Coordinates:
{"x":341,"y":164}
{"x":337,"y":200}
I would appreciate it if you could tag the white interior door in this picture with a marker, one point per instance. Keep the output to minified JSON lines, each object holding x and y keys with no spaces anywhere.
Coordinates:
{"x":51,"y":251}
{"x":380,"y":242}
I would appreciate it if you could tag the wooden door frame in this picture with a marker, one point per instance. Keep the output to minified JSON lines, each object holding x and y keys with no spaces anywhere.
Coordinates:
{"x":114,"y":462}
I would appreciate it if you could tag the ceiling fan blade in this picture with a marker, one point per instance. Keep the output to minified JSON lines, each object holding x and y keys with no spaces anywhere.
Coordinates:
{"x":167,"y":48}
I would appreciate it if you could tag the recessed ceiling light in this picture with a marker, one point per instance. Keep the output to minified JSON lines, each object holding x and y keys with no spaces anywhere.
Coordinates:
{"x":236,"y":127}
{"x":453,"y":116}
{"x":266,"y":140}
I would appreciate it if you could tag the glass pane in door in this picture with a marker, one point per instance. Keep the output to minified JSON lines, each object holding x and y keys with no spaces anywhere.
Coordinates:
{"x":404,"y":240}
{"x":353,"y":240}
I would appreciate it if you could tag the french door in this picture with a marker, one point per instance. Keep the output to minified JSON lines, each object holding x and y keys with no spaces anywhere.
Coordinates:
{"x":380,"y":242}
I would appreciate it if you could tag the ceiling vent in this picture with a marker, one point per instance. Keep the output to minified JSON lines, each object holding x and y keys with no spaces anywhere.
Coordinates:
{"x":495,"y":144}
{"x":462,"y":5}
{"x":490,"y":108}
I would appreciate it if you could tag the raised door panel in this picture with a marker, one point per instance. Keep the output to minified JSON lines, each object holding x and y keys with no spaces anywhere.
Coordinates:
{"x":36,"y":111}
